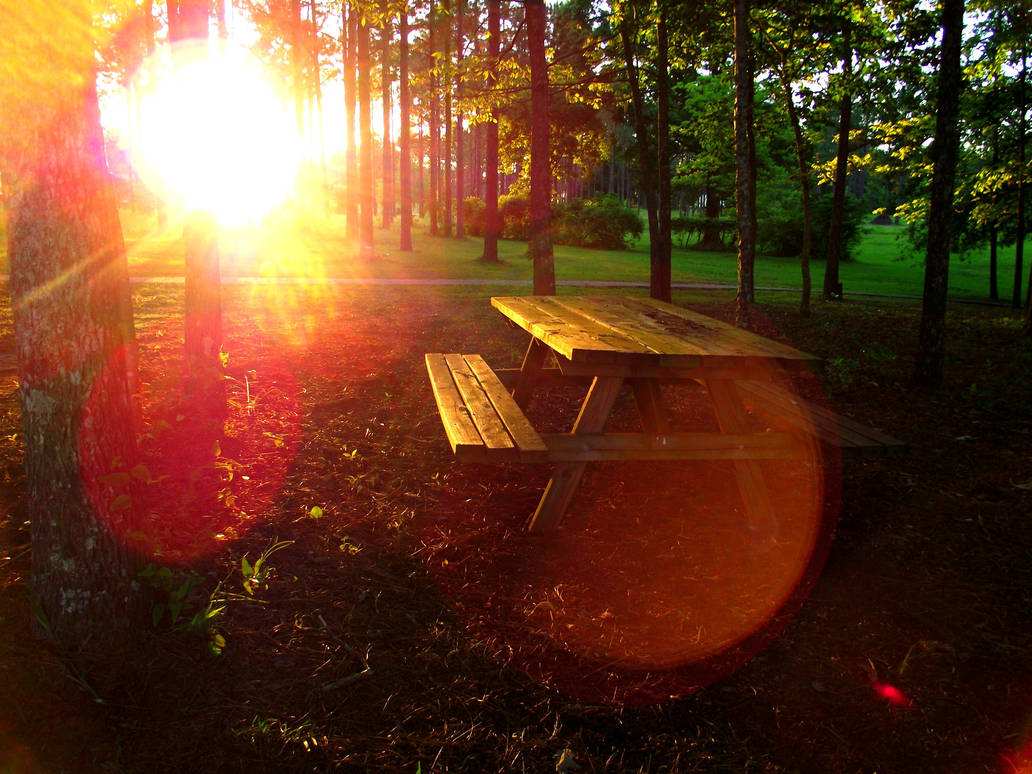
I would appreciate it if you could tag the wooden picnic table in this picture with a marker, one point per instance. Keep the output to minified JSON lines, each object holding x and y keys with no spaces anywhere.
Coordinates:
{"x":609,"y":342}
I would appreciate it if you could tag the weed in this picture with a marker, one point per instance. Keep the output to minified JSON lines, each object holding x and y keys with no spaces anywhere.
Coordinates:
{"x":256,"y":576}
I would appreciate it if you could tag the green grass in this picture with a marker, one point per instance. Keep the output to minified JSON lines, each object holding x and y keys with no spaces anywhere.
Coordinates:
{"x":313,"y":246}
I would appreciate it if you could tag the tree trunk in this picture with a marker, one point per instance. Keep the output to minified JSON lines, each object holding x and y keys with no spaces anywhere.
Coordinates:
{"x":351,"y":185}
{"x":745,"y":163}
{"x":460,"y":161}
{"x":803,"y":168}
{"x":446,"y":156}
{"x":647,"y":175}
{"x":540,"y":166}
{"x":205,"y":382}
{"x":435,"y":129}
{"x":387,"y":210}
{"x":659,"y":277}
{"x":492,"y":226}
{"x":365,"y":160}
{"x":74,"y":344}
{"x":928,"y":369}
{"x":404,"y":133}
{"x":832,"y":285}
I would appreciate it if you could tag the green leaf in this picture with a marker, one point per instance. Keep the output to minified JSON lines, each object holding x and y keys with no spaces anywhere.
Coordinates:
{"x":316,"y":512}
{"x":245,"y":567}
{"x":141,"y":473}
{"x":156,"y":614}
{"x":121,"y":503}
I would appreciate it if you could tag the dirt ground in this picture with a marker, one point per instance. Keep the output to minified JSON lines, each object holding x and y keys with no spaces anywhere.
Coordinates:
{"x":407,"y":623}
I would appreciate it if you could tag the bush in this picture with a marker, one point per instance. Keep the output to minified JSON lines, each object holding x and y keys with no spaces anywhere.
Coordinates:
{"x":602,"y":221}
{"x":780,"y":224}
{"x":473,"y":215}
{"x":515,"y":214}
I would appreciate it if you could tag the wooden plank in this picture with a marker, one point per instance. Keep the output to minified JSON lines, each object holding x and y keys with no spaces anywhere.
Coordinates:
{"x":458,"y":425}
{"x":589,"y":447}
{"x":751,"y":484}
{"x":726,"y":339}
{"x":632,"y":323}
{"x":566,"y":476}
{"x":533,"y":362}
{"x":523,"y":434}
{"x":649,"y":399}
{"x":829,"y":427}
{"x":571,"y":336}
{"x":486,"y":419}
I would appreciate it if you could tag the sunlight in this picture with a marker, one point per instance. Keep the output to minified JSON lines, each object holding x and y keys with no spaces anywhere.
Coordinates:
{"x":215,"y":136}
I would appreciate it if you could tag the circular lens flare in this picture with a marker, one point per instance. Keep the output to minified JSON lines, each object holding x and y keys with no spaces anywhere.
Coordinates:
{"x":215,"y":136}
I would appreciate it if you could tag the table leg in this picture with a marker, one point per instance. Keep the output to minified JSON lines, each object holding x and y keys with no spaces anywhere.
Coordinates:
{"x":755,"y":495}
{"x":533,"y":362}
{"x":566,"y":476}
{"x":650,"y":405}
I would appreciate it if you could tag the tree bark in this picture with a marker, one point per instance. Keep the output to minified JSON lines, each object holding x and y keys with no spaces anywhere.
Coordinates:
{"x":365,"y":160}
{"x":460,"y":161}
{"x":404,"y":133}
{"x":387,"y":167}
{"x":659,"y":277}
{"x":832,"y":285}
{"x":350,"y":109}
{"x":205,"y":383}
{"x":647,"y":173}
{"x":745,"y":163}
{"x":446,"y":155}
{"x":540,"y":165}
{"x":435,"y":127}
{"x":73,"y":341}
{"x":492,"y":226}
{"x":945,"y":151}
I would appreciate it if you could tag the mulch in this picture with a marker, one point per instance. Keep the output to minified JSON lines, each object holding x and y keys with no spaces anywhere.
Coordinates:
{"x":411,"y":625}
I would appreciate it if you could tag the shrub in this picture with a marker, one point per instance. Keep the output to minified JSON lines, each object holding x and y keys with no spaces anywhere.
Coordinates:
{"x":602,"y":221}
{"x":473,"y":215}
{"x":515,"y":214}
{"x":780,"y":224}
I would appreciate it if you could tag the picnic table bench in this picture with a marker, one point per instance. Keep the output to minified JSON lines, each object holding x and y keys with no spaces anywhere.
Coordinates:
{"x":608,"y":342}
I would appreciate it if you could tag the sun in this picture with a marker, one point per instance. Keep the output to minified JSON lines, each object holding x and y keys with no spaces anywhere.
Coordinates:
{"x":214,"y":135}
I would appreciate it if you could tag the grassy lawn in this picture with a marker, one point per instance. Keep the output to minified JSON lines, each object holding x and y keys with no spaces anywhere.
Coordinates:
{"x":317,"y":247}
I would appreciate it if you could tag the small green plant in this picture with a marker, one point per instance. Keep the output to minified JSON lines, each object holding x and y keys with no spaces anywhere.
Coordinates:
{"x":256,"y":576}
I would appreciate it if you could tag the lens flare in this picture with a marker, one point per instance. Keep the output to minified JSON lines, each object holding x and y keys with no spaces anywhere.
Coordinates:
{"x":214,"y":135}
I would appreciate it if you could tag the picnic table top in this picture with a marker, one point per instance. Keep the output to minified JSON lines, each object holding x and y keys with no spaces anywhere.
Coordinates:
{"x":634,"y":330}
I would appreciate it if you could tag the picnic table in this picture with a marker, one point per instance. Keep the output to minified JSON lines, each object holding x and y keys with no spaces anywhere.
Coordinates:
{"x":609,"y":342}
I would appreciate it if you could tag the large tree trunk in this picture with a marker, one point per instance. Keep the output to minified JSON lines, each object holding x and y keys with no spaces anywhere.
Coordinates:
{"x":387,"y":167}
{"x":73,"y":339}
{"x":540,"y":166}
{"x":659,"y":277}
{"x":404,"y":133}
{"x":351,"y":148}
{"x":492,"y":226}
{"x":205,"y":379}
{"x":460,"y":160}
{"x":628,"y":35}
{"x":946,"y":148}
{"x":435,"y":127}
{"x":365,"y":160}
{"x":446,"y":155}
{"x":803,"y":169}
{"x":832,"y":285}
{"x":745,"y":163}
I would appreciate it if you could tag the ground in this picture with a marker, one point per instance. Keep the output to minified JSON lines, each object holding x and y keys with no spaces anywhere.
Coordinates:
{"x":408,"y":624}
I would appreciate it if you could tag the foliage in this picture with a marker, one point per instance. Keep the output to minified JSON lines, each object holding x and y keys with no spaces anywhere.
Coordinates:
{"x":780,"y":224}
{"x":602,"y":221}
{"x":514,"y":211}
{"x":473,"y":209}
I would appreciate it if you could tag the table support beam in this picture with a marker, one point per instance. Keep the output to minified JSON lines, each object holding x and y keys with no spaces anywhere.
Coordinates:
{"x":566,"y":476}
{"x":731,"y":418}
{"x":533,"y":362}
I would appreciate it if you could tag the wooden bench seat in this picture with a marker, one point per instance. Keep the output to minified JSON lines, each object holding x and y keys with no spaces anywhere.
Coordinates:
{"x":784,"y":409}
{"x":480,"y":417}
